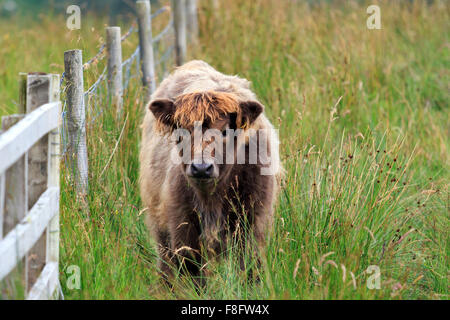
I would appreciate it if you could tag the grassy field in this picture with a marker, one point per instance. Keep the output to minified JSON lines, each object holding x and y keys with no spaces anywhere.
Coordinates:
{"x":363,"y":118}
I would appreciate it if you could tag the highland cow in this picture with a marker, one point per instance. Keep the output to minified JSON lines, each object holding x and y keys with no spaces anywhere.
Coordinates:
{"x":202,"y":202}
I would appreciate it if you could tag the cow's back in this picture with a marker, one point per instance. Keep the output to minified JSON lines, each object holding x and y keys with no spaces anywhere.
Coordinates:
{"x":198,"y":76}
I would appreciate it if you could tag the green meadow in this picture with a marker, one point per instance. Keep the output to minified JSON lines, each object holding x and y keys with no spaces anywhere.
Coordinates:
{"x":363,"y":118}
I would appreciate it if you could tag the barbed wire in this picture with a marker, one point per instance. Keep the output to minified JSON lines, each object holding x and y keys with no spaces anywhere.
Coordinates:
{"x":159,"y":11}
{"x":97,"y":82}
{"x":92,"y":97}
{"x":93,"y":102}
{"x":166,"y":30}
{"x":98,"y":57}
{"x":63,"y":76}
{"x":165,"y":56}
{"x":129,"y":33}
{"x":132,"y":57}
{"x":127,"y":65}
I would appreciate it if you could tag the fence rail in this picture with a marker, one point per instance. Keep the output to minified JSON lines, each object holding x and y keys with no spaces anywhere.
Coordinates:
{"x":22,"y":238}
{"x":20,"y":138}
{"x":28,"y":226}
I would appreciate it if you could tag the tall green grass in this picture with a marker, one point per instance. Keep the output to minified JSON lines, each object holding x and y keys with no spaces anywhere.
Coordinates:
{"x":363,"y":119}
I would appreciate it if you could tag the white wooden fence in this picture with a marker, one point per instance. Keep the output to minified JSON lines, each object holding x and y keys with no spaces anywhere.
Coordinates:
{"x":29,"y":188}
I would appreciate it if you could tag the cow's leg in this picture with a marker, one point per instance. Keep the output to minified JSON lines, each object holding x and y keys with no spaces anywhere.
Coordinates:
{"x":185,"y":244}
{"x":165,"y":263}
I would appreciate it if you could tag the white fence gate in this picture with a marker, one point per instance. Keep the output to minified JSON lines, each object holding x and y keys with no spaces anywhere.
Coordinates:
{"x":29,"y":148}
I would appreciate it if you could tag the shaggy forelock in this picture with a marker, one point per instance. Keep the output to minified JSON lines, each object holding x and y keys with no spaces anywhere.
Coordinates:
{"x":201,"y":106}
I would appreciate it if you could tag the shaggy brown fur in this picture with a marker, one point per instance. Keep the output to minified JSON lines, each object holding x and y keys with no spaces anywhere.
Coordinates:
{"x":186,"y":217}
{"x":199,"y":106}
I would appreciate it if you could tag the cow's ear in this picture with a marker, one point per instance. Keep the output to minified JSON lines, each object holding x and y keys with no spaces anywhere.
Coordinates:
{"x":250,"y":111}
{"x":163,"y":110}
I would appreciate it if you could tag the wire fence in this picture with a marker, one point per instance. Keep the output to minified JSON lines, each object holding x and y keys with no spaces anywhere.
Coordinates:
{"x":163,"y":57}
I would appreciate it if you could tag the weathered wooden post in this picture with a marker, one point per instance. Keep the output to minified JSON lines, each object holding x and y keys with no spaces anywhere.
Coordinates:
{"x":16,"y":178}
{"x":179,"y":11}
{"x":41,"y":89}
{"x":146,"y":47}
{"x":115,"y":78}
{"x":76,"y":114}
{"x":54,"y":159}
{"x":192,"y":21}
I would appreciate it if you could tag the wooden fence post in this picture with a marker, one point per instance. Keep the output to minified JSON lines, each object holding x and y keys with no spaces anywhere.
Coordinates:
{"x":23,"y":78}
{"x":192,"y":20}
{"x":146,"y":47}
{"x":179,"y":10}
{"x":41,"y":89}
{"x":115,"y":78}
{"x":76,"y":114}
{"x":16,"y":178}
{"x":54,"y":159}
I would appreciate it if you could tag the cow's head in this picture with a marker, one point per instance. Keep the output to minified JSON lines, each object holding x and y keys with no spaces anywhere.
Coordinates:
{"x":210,"y":126}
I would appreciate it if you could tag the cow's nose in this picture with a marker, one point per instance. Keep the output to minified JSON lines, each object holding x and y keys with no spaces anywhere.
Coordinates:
{"x":202,"y":171}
